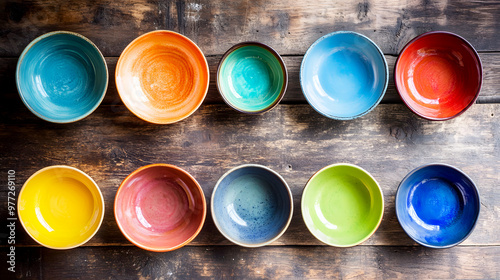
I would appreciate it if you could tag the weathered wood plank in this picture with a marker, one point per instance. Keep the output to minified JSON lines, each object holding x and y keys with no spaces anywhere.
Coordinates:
{"x":291,"y":139}
{"x":367,"y":262}
{"x":490,"y":92}
{"x":27,"y":263}
{"x":289,"y":26}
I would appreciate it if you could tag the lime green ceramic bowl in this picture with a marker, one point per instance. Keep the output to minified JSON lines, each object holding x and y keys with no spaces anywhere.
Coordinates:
{"x":342,"y":205}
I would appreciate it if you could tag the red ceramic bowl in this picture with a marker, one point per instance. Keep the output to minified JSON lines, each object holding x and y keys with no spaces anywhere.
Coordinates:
{"x":438,"y":75}
{"x":160,"y":207}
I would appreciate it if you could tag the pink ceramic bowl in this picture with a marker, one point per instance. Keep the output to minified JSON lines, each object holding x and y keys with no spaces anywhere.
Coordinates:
{"x":160,"y":207}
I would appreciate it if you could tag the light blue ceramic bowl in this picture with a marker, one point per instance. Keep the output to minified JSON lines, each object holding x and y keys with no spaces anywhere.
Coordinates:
{"x":252,"y":205}
{"x":252,"y":77}
{"x":61,"y":77}
{"x":344,"y":75}
{"x":437,"y":205}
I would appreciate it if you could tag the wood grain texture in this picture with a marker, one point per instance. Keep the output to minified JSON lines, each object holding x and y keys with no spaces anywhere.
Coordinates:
{"x":221,"y":262}
{"x":287,"y":25}
{"x":27,"y":266}
{"x":490,"y":92}
{"x":294,"y":140}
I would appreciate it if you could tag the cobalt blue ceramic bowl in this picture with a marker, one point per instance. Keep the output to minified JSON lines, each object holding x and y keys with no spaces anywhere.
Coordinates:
{"x":344,"y":75}
{"x":61,"y":77}
{"x":437,"y":205}
{"x":251,"y":205}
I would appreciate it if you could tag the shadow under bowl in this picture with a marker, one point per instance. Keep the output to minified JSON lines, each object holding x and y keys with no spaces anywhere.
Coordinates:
{"x":438,"y":75}
{"x":252,"y":205}
{"x":160,"y":207}
{"x":61,"y":77}
{"x":437,"y":205}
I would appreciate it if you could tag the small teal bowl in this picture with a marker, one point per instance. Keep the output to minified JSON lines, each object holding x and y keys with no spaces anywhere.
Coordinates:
{"x":344,"y":75}
{"x":251,"y":205}
{"x":437,"y":205}
{"x":252,"y":77}
{"x":61,"y":77}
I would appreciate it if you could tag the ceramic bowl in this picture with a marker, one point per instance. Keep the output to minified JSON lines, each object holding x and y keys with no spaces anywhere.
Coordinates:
{"x":438,"y":75}
{"x":162,"y":77}
{"x":342,"y":205}
{"x":252,"y":77}
{"x":437,"y":205}
{"x":61,"y":77}
{"x":60,"y":207}
{"x":344,"y":75}
{"x":160,"y":207}
{"x":252,"y":205}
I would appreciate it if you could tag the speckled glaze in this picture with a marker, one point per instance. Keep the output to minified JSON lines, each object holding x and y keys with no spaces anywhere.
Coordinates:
{"x":162,"y":77}
{"x":438,"y":75}
{"x":437,"y":205}
{"x":60,"y":207}
{"x":344,"y":75}
{"x":342,"y":205}
{"x":160,"y":207}
{"x":252,"y":77}
{"x":61,"y":77}
{"x":252,"y":205}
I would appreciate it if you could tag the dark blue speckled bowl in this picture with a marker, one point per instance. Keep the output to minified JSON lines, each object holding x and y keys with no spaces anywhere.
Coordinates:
{"x":252,"y":205}
{"x":437,"y":205}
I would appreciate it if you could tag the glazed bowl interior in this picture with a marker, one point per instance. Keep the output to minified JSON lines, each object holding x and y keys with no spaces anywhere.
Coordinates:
{"x":252,"y":77}
{"x":438,"y":75}
{"x":60,"y":207}
{"x":162,"y":77}
{"x":344,"y":75}
{"x":252,"y":205}
{"x":160,"y":207}
{"x":342,"y":205}
{"x":437,"y":205}
{"x":61,"y":77}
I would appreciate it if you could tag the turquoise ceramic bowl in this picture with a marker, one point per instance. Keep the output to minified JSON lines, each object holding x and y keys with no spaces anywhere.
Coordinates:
{"x":61,"y":77}
{"x":252,"y":205}
{"x":344,"y":75}
{"x":252,"y":77}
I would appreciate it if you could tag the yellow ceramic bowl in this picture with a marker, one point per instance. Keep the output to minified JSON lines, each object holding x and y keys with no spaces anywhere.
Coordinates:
{"x":60,"y":207}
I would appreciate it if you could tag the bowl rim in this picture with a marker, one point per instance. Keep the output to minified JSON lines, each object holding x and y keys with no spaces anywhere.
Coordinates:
{"x":386,"y":76}
{"x":28,"y":48}
{"x":398,"y":194}
{"x":160,"y":249}
{"x":303,"y":205}
{"x":94,"y":184}
{"x":216,"y":222}
{"x":469,"y":45}
{"x":169,"y":33}
{"x":284,"y":70}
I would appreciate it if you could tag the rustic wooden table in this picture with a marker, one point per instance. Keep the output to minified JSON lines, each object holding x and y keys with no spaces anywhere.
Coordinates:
{"x":292,"y":139}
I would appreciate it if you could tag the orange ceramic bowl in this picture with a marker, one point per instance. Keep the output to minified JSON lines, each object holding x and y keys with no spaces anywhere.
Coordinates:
{"x":162,"y":77}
